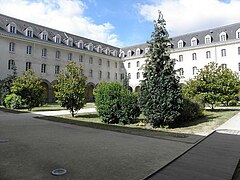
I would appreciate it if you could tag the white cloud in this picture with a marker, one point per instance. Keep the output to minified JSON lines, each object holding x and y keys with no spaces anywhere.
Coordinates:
{"x":184,"y":16}
{"x":64,"y":15}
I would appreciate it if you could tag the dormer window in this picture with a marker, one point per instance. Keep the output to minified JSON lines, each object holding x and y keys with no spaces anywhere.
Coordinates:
{"x":180,"y":44}
{"x":208,"y":39}
{"x":194,"y":41}
{"x":99,"y":49}
{"x":70,"y":41}
{"x":129,"y":53}
{"x":12,"y":28}
{"x":107,"y":51}
{"x":29,"y":32}
{"x":44,"y":35}
{"x":223,"y":36}
{"x":57,"y":39}
{"x":122,"y":54}
{"x":114,"y":53}
{"x":80,"y":44}
{"x":146,"y":50}
{"x":90,"y":47}
{"x":238,"y":34}
{"x":138,"y":52}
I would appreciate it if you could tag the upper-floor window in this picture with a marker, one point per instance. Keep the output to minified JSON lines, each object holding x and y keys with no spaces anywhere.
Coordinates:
{"x":122,"y":65}
{"x":108,"y":75}
{"x":195,"y":70}
{"x":12,"y":28}
{"x":122,"y":76}
{"x":108,"y":63}
{"x":44,"y":52}
{"x":43,"y":68}
{"x":29,"y":49}
{"x":181,"y":72}
{"x":11,"y":64}
{"x":129,"y":65}
{"x":138,"y":75}
{"x":80,"y":58}
{"x":44,"y":35}
{"x":208,"y":54}
{"x":90,"y":60}
{"x":70,"y":41}
{"x":223,"y":36}
{"x":194,"y":41}
{"x":138,"y":64}
{"x":194,"y":56}
{"x":90,"y":73}
{"x":80,"y":44}
{"x":57,"y":55}
{"x":29,"y":32}
{"x":114,"y":53}
{"x":129,"y":53}
{"x":223,"y":52}
{"x":180,"y":44}
{"x":238,"y":50}
{"x":238,"y":34}
{"x":57,"y":39}
{"x":57,"y":69}
{"x":11,"y":46}
{"x":116,"y":76}
{"x":90,"y":47}
{"x":100,"y":74}
{"x":129,"y":75}
{"x":100,"y":62}
{"x":28,"y":65}
{"x":69,"y":56}
{"x":180,"y":58}
{"x":99,"y":49}
{"x":238,"y":66}
{"x":208,"y":39}
{"x":122,"y":54}
{"x":224,"y":66}
{"x":116,"y":64}
{"x":138,"y":51}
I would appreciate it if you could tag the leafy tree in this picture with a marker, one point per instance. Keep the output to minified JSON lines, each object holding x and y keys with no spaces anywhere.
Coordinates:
{"x":5,"y":85}
{"x":213,"y":84}
{"x":30,"y":88}
{"x":70,"y":87}
{"x":161,"y":96}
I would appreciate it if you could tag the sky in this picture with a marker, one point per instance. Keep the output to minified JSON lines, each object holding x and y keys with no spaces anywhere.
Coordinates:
{"x":123,"y":22}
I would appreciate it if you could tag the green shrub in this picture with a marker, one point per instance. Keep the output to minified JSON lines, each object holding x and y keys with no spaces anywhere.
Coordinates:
{"x":13,"y":101}
{"x":130,"y":107}
{"x":115,"y":104}
{"x":191,"y":111}
{"x":233,"y":103}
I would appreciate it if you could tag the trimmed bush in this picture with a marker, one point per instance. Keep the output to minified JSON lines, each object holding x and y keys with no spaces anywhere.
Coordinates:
{"x":232,"y":103}
{"x":115,"y":104}
{"x":13,"y":101}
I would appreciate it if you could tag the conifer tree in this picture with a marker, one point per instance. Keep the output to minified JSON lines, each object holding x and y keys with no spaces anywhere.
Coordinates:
{"x":161,"y":96}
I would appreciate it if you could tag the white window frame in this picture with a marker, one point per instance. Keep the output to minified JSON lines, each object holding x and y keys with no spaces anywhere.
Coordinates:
{"x":129,"y":53}
{"x":195,"y":70}
{"x":70,"y":41}
{"x":11,"y":47}
{"x":12,"y":28}
{"x":28,"y":65}
{"x":208,"y":54}
{"x":208,"y":39}
{"x":44,"y":35}
{"x":57,"y":39}
{"x":138,"y":51}
{"x":180,"y":44}
{"x":11,"y":64}
{"x":29,"y":32}
{"x":43,"y":68}
{"x":223,"y":52}
{"x":44,"y":52}
{"x":194,"y":41}
{"x":180,"y":58}
{"x":223,"y":36}
{"x":29,"y":49}
{"x":194,"y":56}
{"x":57,"y":69}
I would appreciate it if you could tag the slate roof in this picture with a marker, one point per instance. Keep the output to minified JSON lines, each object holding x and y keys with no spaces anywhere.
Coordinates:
{"x":37,"y":29}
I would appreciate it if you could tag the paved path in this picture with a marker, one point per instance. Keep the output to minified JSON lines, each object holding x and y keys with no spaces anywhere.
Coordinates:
{"x":31,"y":148}
{"x":214,"y":158}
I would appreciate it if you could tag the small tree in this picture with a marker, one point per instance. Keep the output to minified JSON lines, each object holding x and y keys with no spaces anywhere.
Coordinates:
{"x":30,"y":88}
{"x":70,"y":87}
{"x":161,"y":96}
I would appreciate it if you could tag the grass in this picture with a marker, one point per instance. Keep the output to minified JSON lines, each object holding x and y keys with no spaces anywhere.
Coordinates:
{"x":205,"y":125}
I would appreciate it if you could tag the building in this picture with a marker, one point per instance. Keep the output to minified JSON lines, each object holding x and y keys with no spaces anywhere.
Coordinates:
{"x":47,"y":51}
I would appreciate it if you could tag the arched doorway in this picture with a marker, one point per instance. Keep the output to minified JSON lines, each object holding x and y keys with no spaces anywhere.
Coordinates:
{"x":89,"y":92}
{"x":46,"y":94}
{"x":137,"y":89}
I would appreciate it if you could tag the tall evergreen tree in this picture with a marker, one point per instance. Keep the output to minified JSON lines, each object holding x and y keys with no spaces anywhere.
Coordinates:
{"x":161,"y":96}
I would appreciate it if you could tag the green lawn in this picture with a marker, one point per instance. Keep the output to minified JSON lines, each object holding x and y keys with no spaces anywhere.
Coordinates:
{"x":205,"y":125}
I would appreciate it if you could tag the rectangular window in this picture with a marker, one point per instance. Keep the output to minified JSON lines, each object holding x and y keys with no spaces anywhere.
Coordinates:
{"x":138,"y":75}
{"x":90,"y":73}
{"x":57,"y":69}
{"x":180,"y":58}
{"x":100,"y":74}
{"x":11,"y":64}
{"x":11,"y":47}
{"x":194,"y":56}
{"x":224,"y":66}
{"x":208,"y":54}
{"x":29,"y":33}
{"x":223,"y":52}
{"x":80,"y":58}
{"x":29,"y":49}
{"x":57,"y":54}
{"x":108,"y":75}
{"x":129,"y":65}
{"x":100,"y":62}
{"x":90,"y":60}
{"x":43,"y":68}
{"x":12,"y":29}
{"x":108,"y":63}
{"x":122,"y":65}
{"x":116,"y":76}
{"x":238,"y":66}
{"x":122,"y":76}
{"x":181,"y":72}
{"x":116,"y":64}
{"x":44,"y":52}
{"x":138,"y":63}
{"x":195,"y":70}
{"x":238,"y":50}
{"x":129,"y":76}
{"x":69,"y":56}
{"x":28,"y":65}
